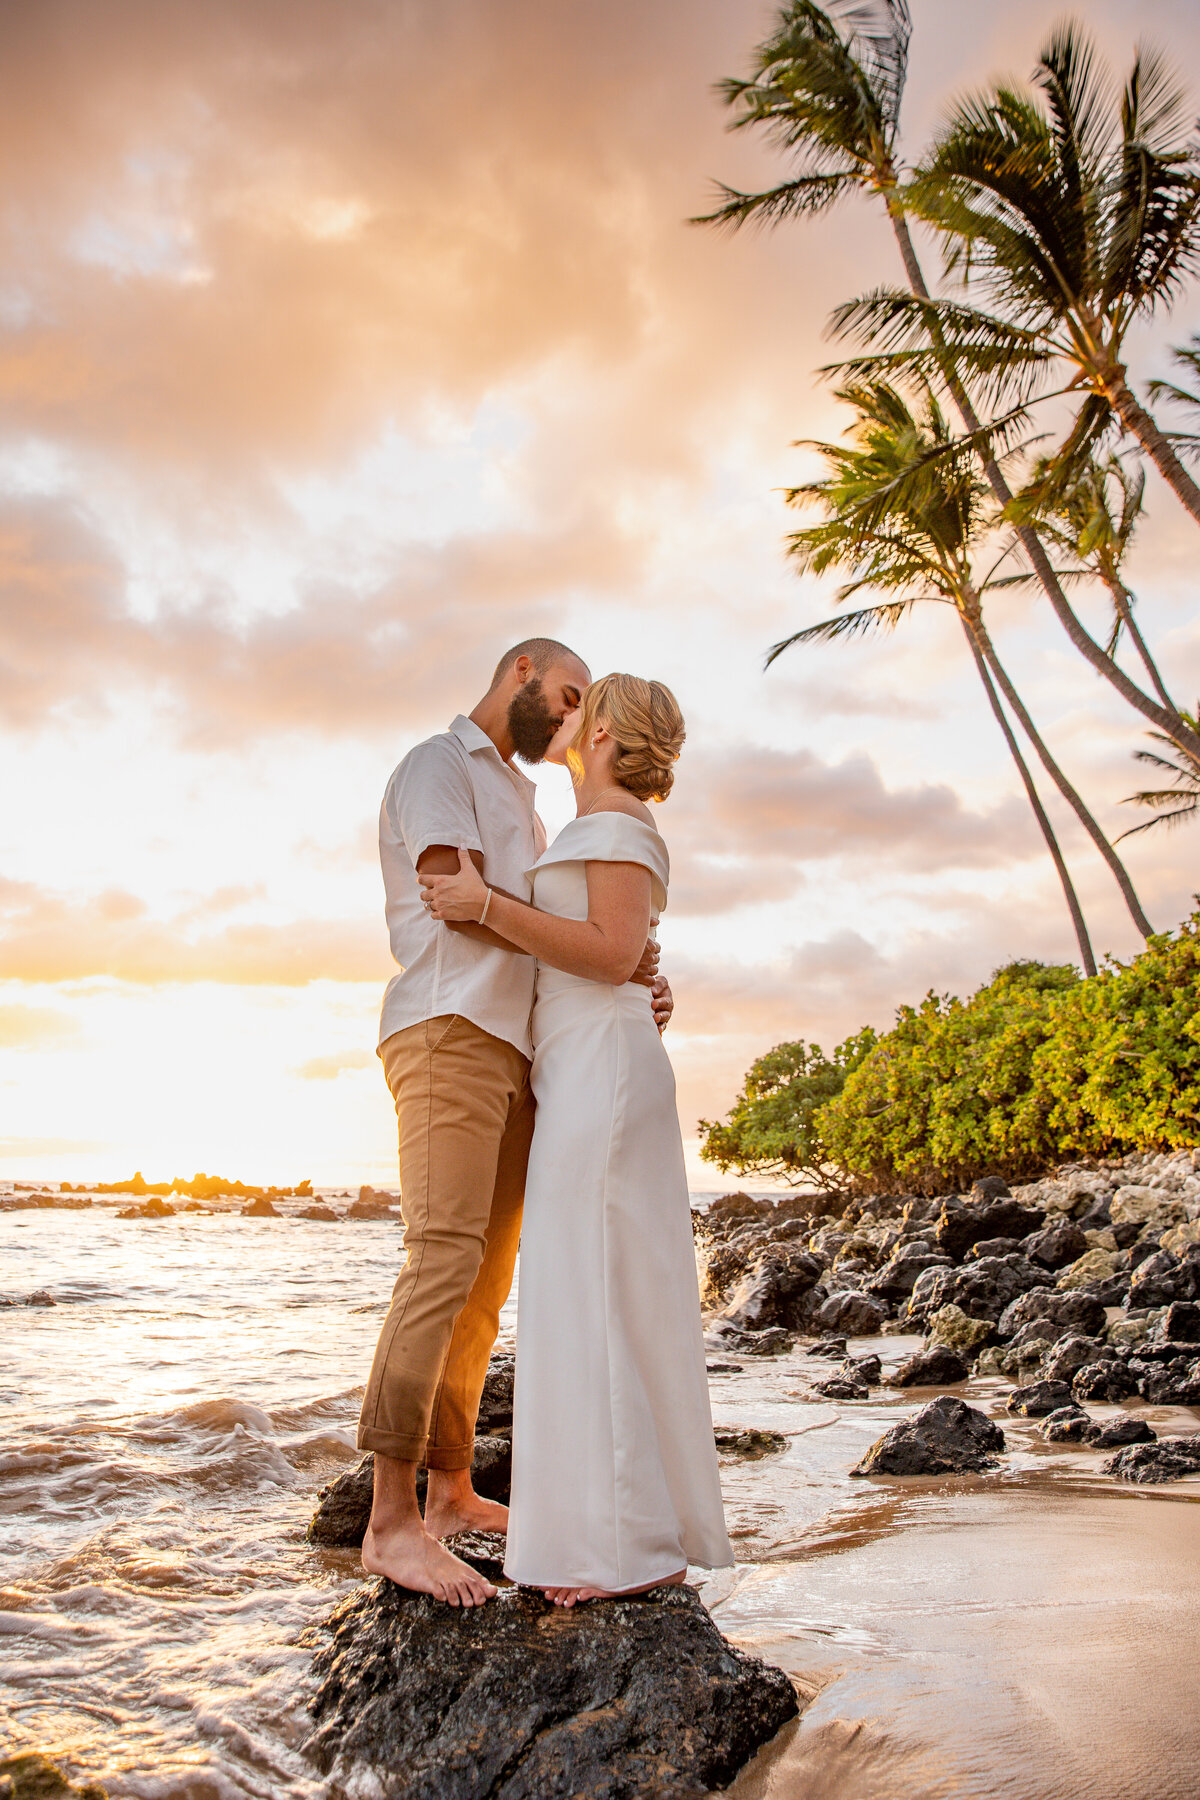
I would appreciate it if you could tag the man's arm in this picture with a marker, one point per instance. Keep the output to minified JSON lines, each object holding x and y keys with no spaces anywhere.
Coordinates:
{"x":442,"y":859}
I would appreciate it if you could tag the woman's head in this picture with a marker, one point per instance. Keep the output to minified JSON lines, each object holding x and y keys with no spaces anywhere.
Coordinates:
{"x":643,"y":721}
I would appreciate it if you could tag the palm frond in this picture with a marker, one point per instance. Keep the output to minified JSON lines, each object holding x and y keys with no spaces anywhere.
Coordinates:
{"x":923,"y":337}
{"x":884,"y":617}
{"x":805,"y":197}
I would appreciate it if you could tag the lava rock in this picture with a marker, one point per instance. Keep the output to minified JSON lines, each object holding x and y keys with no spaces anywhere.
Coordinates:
{"x":999,"y":1246}
{"x":1073,"y":1353}
{"x":1165,"y":1277}
{"x":1180,"y":1323}
{"x":1105,"y":1382}
{"x":496,"y":1400}
{"x":1055,"y":1313}
{"x":259,"y":1209}
{"x":1039,"y":1398}
{"x":32,"y":1776}
{"x":1166,"y":1460}
{"x":772,"y":1291}
{"x":867,"y":1368}
{"x":842,"y":1387}
{"x":960,"y":1225}
{"x":981,"y":1289}
{"x":989,"y":1187}
{"x":772,"y":1342}
{"x":748,"y":1441}
{"x":371,"y":1209}
{"x":344,"y":1505}
{"x":154,"y":1208}
{"x":1178,"y":1384}
{"x":41,"y":1297}
{"x":832,"y":1347}
{"x":1056,"y":1246}
{"x":936,"y":1366}
{"x":325,"y":1213}
{"x":1112,"y":1433}
{"x":855,"y":1314}
{"x":951,"y":1326}
{"x":947,"y":1437}
{"x":519,"y":1697}
{"x":1066,"y":1425}
{"x":896,"y":1279}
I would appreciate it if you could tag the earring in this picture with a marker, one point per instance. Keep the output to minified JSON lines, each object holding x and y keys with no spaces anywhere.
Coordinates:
{"x":595,"y":743}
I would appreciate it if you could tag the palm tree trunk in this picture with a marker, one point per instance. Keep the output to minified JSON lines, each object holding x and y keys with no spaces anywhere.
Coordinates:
{"x":1122,"y":601}
{"x":1144,"y":427}
{"x":1069,"y":793}
{"x":1047,"y":830}
{"x":1166,"y":720}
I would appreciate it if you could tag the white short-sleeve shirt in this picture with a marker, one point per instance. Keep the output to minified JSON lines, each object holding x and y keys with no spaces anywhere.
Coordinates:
{"x":456,"y":788}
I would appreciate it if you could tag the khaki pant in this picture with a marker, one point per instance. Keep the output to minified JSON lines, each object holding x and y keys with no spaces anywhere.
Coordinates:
{"x":465,"y":1114}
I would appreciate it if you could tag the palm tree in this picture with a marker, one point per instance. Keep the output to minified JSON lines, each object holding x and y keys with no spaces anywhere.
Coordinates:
{"x":1181,"y":799}
{"x":1091,"y":510}
{"x":827,"y":88}
{"x":904,"y":510}
{"x":1079,"y":219}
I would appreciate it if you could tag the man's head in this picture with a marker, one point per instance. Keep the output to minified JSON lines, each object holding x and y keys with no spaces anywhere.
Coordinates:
{"x":538,"y":682}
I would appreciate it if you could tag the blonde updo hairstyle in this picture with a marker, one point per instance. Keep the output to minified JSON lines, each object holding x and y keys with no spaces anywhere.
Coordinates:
{"x":644,"y":721}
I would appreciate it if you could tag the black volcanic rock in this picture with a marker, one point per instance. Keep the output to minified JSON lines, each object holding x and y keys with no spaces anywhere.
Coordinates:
{"x":1065,"y":1425}
{"x":344,"y":1505}
{"x":260,"y":1208}
{"x":848,"y":1311}
{"x":981,"y":1289}
{"x":898,"y":1275}
{"x":1112,"y":1433}
{"x":1180,"y":1323}
{"x":521,"y":1700}
{"x":1072,"y":1353}
{"x":961,"y":1224}
{"x":748,"y":1442}
{"x":1165,"y":1277}
{"x":1166,"y":1460}
{"x":1107,"y":1382}
{"x":947,"y":1437}
{"x":1056,"y":1245}
{"x":774,"y":1287}
{"x":1055,"y":1313}
{"x":1039,"y":1398}
{"x":937,"y":1366}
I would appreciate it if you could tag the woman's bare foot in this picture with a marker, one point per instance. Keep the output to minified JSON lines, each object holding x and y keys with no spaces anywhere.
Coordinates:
{"x":413,"y":1559}
{"x":451,"y":1504}
{"x":572,"y":1596}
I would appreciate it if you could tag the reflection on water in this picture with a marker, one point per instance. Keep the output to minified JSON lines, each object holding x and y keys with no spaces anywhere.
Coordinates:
{"x":1025,"y":1636}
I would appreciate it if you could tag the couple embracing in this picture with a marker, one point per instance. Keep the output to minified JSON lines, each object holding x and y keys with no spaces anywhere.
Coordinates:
{"x":522,"y":1045}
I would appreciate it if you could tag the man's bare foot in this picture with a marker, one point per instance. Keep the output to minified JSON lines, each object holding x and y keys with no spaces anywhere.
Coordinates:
{"x":475,"y":1514}
{"x":413,"y":1559}
{"x":572,"y":1596}
{"x":451,"y":1504}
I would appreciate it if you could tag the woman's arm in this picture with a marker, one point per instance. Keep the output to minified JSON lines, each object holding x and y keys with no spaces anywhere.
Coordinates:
{"x":606,"y":946}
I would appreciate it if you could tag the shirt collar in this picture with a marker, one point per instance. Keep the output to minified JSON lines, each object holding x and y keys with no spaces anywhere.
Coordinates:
{"x":474,"y":738}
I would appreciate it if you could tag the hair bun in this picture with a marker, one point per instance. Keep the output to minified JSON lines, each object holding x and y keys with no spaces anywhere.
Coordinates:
{"x":644,"y":720}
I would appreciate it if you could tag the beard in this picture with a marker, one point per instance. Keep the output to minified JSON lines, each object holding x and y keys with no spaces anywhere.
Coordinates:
{"x":531,"y":724}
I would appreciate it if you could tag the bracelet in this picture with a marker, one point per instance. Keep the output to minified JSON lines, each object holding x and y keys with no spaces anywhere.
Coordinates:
{"x":483,"y":915}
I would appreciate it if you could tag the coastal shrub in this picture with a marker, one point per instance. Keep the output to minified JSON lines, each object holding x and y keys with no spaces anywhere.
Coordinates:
{"x":1039,"y":1064}
{"x":772,"y":1128}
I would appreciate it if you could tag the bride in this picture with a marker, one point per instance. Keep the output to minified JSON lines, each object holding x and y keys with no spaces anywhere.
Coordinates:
{"x":615,"y":1486}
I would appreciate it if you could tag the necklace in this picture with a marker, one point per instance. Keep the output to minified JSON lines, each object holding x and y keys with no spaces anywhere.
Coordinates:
{"x":596,"y":802}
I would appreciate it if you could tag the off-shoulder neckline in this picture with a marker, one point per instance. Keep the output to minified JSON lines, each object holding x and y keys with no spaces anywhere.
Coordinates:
{"x":614,"y":812}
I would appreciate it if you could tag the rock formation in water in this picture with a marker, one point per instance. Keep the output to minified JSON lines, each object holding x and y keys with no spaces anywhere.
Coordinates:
{"x":947,"y":1437}
{"x":31,"y":1776}
{"x":520,"y":1700}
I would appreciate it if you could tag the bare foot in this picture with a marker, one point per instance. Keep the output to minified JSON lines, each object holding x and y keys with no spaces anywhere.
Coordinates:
{"x":464,"y":1512}
{"x":413,"y":1559}
{"x":572,"y":1596}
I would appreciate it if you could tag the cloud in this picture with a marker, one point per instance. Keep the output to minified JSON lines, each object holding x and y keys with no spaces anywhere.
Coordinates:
{"x":48,"y":937}
{"x":36,"y":1028}
{"x":745,"y":824}
{"x":328,"y":1068}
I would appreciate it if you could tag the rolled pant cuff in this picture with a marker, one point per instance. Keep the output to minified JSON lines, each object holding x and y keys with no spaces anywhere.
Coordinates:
{"x":449,"y":1456}
{"x":392,"y":1443}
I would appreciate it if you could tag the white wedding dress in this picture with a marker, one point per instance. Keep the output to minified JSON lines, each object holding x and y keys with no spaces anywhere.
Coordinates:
{"x":614,"y":1468}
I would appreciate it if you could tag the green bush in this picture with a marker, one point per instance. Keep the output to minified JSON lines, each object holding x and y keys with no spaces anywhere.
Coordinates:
{"x":772,"y":1128}
{"x":1036,"y":1066}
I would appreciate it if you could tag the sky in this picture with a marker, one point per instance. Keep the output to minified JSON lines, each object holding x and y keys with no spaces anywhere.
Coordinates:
{"x":343,"y":343}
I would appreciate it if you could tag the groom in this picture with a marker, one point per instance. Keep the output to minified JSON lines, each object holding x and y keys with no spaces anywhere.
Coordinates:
{"x":455,"y":1046}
